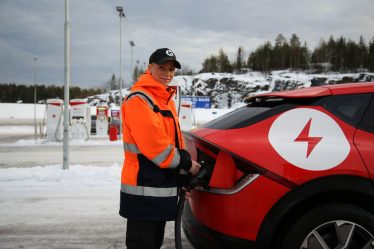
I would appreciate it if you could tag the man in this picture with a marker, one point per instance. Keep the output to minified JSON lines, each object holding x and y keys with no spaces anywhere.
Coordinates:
{"x":154,"y":154}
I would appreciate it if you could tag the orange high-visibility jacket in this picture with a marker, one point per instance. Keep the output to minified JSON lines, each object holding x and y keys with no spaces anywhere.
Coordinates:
{"x":153,"y":147}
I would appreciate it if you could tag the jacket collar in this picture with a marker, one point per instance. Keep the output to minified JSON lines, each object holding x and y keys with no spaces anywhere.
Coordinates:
{"x":147,"y":82}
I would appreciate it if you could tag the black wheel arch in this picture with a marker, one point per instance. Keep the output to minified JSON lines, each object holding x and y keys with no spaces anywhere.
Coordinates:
{"x":330,"y":189}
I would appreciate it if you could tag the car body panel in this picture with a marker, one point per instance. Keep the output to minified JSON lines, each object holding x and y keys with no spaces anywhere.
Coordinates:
{"x":208,"y":208}
{"x":248,"y":142}
{"x":302,"y":154}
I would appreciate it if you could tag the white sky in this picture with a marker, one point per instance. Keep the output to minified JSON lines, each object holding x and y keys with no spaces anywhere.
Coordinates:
{"x":193,"y":29}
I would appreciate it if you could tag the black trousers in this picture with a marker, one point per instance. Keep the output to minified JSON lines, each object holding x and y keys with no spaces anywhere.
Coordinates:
{"x":142,"y":234}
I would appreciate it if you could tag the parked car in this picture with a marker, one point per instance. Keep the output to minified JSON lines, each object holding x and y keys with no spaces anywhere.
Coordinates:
{"x":292,"y":169}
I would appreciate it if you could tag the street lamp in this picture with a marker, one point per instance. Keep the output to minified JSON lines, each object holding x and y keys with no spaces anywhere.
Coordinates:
{"x":132,"y":44}
{"x":35,"y":129}
{"x":65,"y":155}
{"x":120,"y":14}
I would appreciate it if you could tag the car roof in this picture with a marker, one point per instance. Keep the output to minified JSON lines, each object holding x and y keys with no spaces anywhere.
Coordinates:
{"x":320,"y":91}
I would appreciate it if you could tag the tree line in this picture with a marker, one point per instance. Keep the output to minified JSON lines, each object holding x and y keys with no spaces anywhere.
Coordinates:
{"x":11,"y":93}
{"x":341,"y":55}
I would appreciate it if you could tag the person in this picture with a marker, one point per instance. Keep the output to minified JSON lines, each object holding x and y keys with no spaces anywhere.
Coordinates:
{"x":154,"y":154}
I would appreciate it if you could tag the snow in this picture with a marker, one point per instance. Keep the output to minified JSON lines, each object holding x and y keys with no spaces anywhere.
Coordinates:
{"x":16,"y":129}
{"x":51,"y":176}
{"x":21,"y":111}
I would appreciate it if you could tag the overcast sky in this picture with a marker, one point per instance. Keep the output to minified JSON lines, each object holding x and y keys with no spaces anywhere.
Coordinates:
{"x":193,"y":29}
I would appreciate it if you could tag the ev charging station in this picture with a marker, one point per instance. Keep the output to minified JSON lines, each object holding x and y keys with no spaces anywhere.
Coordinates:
{"x":54,"y":119}
{"x":184,"y":109}
{"x":115,"y":117}
{"x":185,"y":115}
{"x":102,"y":120}
{"x":80,"y":119}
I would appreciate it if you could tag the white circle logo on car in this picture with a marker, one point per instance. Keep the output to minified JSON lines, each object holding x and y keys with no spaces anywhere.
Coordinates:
{"x":309,"y":139}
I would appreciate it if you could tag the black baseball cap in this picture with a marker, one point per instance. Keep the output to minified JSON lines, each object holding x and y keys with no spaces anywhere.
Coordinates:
{"x":162,"y":55}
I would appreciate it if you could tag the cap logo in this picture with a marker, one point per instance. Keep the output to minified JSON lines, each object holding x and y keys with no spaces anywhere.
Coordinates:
{"x":169,"y":52}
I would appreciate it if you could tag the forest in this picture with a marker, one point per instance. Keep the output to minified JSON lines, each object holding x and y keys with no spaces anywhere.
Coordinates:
{"x":338,"y":55}
{"x":12,"y":93}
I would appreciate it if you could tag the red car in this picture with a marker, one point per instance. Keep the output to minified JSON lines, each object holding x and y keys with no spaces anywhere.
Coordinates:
{"x":292,"y":169}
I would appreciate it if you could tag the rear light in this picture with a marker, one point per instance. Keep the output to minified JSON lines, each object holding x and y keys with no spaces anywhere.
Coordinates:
{"x":230,"y":173}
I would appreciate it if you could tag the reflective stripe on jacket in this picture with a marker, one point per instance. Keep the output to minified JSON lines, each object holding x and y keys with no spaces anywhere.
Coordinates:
{"x":151,"y":136}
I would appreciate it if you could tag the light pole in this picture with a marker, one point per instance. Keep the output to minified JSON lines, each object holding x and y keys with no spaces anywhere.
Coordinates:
{"x":65,"y":155}
{"x":121,"y":14}
{"x":35,"y":128}
{"x":132,"y":44}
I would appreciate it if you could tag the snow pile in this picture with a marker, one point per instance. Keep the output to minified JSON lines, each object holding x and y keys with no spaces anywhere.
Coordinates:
{"x":21,"y":111}
{"x":42,"y":142}
{"x":226,"y":90}
{"x":16,"y":129}
{"x":54,"y":176}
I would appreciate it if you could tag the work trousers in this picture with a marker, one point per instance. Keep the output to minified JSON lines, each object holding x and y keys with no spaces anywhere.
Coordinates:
{"x":142,"y":234}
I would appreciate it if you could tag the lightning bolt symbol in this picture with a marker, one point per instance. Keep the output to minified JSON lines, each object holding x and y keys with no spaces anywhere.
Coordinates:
{"x":304,"y":137}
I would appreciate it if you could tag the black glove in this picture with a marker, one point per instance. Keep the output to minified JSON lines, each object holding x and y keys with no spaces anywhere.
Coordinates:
{"x":185,"y":160}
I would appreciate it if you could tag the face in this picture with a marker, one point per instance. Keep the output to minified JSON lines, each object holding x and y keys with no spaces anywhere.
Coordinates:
{"x":163,"y":73}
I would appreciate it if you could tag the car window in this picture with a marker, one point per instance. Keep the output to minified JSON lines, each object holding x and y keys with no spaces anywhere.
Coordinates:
{"x":367,"y":122}
{"x":349,"y":108}
{"x":236,"y":117}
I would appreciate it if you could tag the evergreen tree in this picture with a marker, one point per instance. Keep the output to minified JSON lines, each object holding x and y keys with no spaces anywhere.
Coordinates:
{"x":362,"y":53}
{"x":331,"y":54}
{"x":261,"y":58}
{"x":223,"y":62}
{"x":338,"y":55}
{"x":280,"y":51}
{"x":239,"y":60}
{"x":304,"y":56}
{"x":295,"y":51}
{"x":266,"y":57}
{"x":113,"y":83}
{"x":320,"y":53}
{"x":371,"y":55}
{"x":210,"y":65}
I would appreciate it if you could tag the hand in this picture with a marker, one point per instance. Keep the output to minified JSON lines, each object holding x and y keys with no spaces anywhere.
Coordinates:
{"x":195,"y":168}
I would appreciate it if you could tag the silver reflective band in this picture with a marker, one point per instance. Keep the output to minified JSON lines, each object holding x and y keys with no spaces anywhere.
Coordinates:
{"x":149,"y":191}
{"x":176,"y":160}
{"x":131,"y":147}
{"x":163,"y":155}
{"x":158,"y":159}
{"x":141,"y":96}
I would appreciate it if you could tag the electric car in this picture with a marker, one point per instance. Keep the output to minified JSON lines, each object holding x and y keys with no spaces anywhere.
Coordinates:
{"x":292,"y":169}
